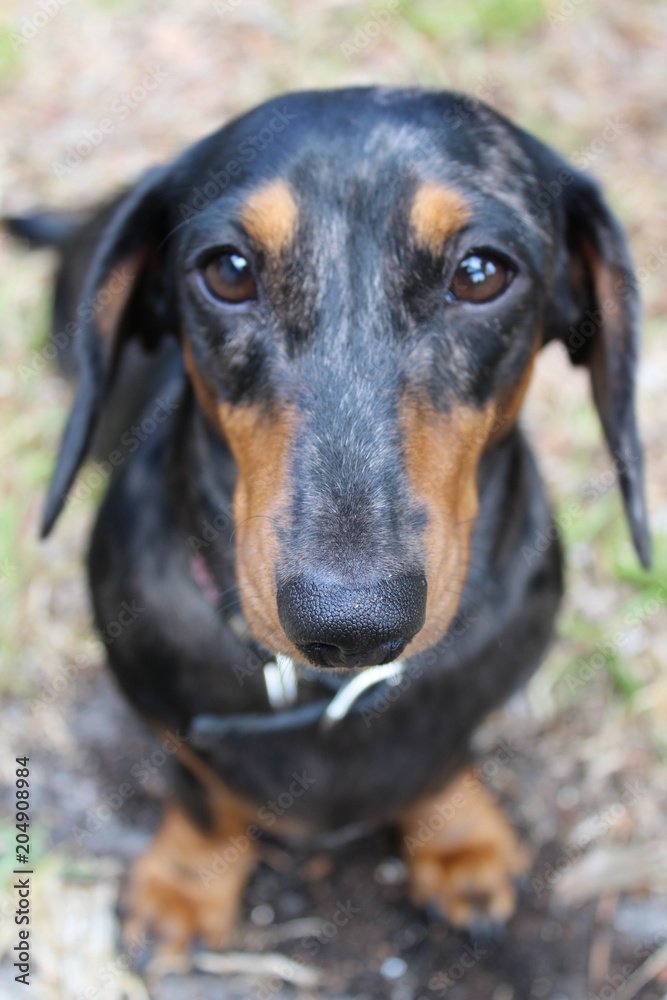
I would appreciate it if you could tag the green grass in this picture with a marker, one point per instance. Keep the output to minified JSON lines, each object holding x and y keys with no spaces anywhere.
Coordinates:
{"x":602,"y":523}
{"x":38,"y":849}
{"x":28,"y":422}
{"x":486,"y":21}
{"x":11,"y":51}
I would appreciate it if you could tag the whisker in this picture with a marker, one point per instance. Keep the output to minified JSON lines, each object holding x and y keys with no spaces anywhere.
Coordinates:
{"x":252,"y":517}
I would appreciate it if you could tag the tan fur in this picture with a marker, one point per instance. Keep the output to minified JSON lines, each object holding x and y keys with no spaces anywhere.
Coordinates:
{"x":175,"y":893}
{"x":437,"y":213}
{"x":113,"y":295}
{"x":442,"y":452}
{"x":509,"y":404}
{"x":260,"y":443}
{"x":204,"y":396}
{"x":190,"y":883}
{"x":269,"y":216}
{"x":462,"y":855}
{"x":223,"y":802}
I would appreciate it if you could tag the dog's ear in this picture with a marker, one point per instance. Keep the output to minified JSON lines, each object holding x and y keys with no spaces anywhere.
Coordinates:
{"x":123,"y":295}
{"x":595,"y":312}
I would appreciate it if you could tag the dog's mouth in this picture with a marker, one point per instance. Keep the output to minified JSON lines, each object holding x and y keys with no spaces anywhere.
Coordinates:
{"x":328,"y":656}
{"x":282,"y":683}
{"x":346,"y":671}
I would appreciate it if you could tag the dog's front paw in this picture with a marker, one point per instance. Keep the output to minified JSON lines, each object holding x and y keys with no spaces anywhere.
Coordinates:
{"x":186,"y":887}
{"x":463,"y":857}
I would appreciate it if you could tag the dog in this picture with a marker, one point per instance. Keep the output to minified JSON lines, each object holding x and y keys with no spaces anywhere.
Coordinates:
{"x":326,"y":511}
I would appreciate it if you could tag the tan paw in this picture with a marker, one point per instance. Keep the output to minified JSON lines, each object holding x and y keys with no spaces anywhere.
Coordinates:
{"x":463,"y":857}
{"x":187,"y":886}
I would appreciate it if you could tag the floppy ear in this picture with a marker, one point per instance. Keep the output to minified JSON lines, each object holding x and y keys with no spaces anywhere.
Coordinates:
{"x":596,"y":315}
{"x":123,"y":296}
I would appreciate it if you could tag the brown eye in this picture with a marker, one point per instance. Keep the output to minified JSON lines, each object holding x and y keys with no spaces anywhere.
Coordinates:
{"x":480,"y":277}
{"x":228,"y":277}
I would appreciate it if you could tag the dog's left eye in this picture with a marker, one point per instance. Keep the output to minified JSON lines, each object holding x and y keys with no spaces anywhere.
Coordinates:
{"x":480,"y":277}
{"x":228,"y":276}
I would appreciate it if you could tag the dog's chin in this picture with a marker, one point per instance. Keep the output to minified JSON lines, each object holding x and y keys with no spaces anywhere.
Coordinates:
{"x":306,"y":668}
{"x":302,"y":663}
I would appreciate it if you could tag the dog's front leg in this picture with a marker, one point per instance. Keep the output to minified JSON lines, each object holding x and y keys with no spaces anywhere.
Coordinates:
{"x":463,"y":856}
{"x":189,"y":884}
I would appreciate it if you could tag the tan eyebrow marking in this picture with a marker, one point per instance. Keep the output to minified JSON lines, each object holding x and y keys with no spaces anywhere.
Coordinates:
{"x":437,"y":212}
{"x":269,"y":216}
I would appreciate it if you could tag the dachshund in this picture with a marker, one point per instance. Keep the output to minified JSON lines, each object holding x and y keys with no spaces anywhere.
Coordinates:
{"x":300,"y":352}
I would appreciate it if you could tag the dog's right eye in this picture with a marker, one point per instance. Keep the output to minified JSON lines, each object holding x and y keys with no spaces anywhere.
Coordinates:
{"x":228,"y":277}
{"x":481,"y":276}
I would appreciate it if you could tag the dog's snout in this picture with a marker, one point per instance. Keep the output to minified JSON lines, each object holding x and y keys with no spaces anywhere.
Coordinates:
{"x":338,"y":626}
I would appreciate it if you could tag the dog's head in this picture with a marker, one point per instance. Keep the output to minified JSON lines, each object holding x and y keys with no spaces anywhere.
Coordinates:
{"x":361,"y":281}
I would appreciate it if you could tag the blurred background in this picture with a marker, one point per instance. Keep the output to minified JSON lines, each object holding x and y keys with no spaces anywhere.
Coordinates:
{"x":586,"y":779}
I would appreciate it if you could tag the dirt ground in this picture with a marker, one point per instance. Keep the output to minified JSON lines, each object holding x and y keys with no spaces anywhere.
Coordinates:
{"x":584,"y":767}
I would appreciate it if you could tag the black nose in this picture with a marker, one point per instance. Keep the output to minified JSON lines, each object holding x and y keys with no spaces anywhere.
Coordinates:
{"x":338,"y":626}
